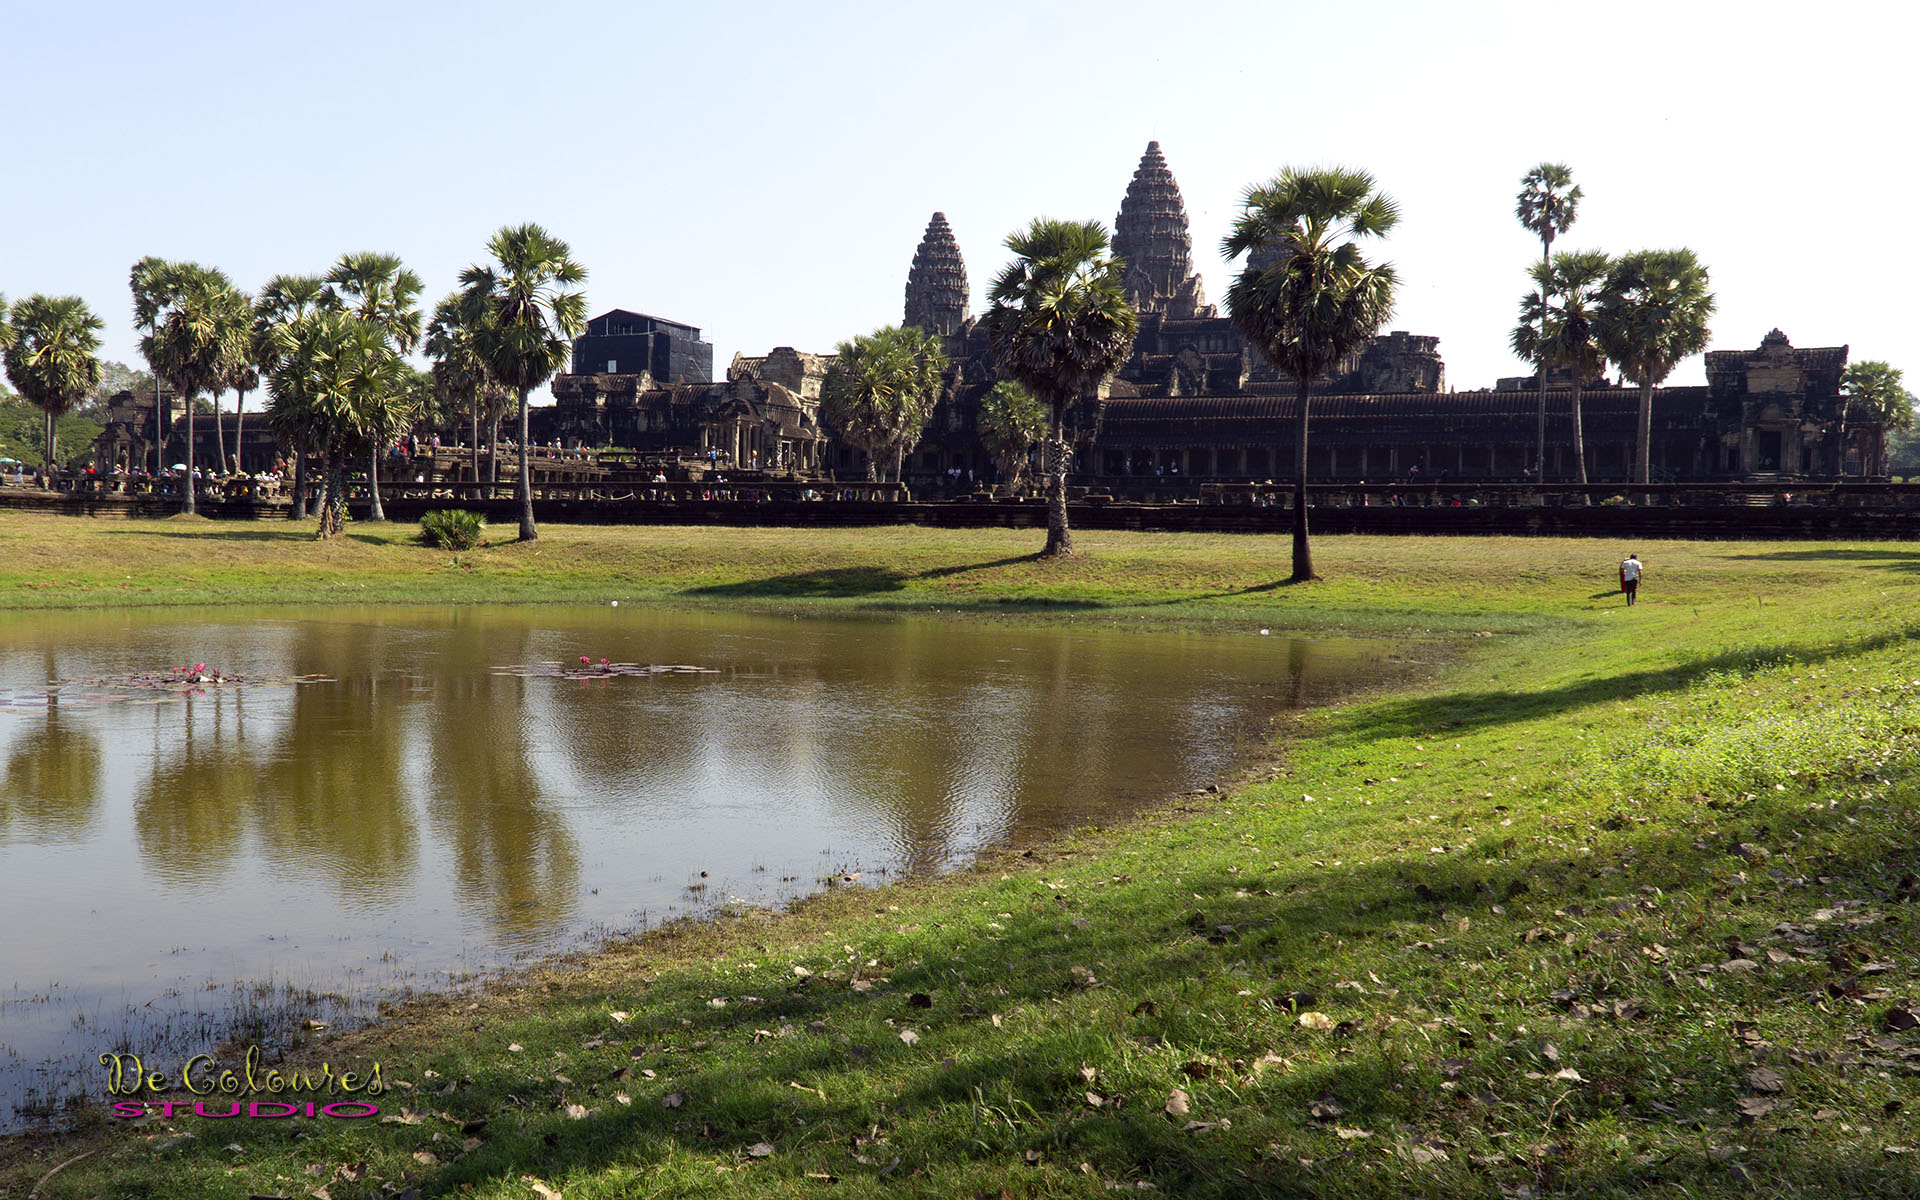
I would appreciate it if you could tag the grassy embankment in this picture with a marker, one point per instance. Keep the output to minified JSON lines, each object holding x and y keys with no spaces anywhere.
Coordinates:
{"x":1616,"y":903}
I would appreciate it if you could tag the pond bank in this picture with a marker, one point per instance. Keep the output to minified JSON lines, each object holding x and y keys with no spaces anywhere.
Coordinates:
{"x":1620,"y":903}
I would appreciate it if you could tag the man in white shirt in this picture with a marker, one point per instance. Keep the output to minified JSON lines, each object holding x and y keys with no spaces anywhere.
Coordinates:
{"x":1630,"y":578}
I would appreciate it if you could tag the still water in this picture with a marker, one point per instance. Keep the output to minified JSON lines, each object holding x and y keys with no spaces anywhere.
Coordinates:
{"x":178,"y":866}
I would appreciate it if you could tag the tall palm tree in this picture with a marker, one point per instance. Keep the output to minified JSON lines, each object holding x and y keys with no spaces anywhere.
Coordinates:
{"x":1546,"y":205}
{"x":1060,"y":324}
{"x":236,"y":322}
{"x":331,"y":375}
{"x":460,"y":375}
{"x":146,"y":281}
{"x":1652,"y":312}
{"x":7,"y":334}
{"x":1561,"y":334}
{"x":880,"y":390}
{"x":380,"y":290}
{"x":1011,"y":421}
{"x":50,"y":356}
{"x":1878,"y":390}
{"x":524,"y":312}
{"x":283,"y":300}
{"x":1307,"y":297}
{"x":195,"y":316}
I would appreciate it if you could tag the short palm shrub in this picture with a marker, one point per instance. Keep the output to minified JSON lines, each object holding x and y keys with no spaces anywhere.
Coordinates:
{"x":452,"y":528}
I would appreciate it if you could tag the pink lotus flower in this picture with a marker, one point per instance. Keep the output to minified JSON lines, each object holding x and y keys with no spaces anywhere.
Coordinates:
{"x":585,"y":659}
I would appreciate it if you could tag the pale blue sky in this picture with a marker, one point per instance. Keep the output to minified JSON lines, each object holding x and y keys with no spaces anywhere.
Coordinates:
{"x":764,"y":171}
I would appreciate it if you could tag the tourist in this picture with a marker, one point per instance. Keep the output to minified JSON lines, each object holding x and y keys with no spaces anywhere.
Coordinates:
{"x":1630,"y":578}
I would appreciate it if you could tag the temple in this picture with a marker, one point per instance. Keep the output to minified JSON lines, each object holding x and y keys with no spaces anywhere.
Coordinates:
{"x":1195,"y":402}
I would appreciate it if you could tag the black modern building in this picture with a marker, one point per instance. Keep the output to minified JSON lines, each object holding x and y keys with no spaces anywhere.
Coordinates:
{"x":626,"y":343}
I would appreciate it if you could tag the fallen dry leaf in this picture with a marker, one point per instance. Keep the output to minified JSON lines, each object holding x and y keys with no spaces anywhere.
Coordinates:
{"x":1178,"y":1103}
{"x":672,"y":1100}
{"x":540,"y":1189}
{"x":760,"y":1150}
{"x":1761,"y":1079}
{"x":576,"y":1112}
{"x":1314,"y":1020}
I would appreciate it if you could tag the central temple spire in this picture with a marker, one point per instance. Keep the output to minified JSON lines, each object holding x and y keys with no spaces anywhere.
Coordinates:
{"x":1151,"y":236}
{"x":937,"y":299}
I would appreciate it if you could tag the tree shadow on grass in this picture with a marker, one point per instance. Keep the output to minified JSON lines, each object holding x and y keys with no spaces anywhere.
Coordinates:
{"x":827,"y":582}
{"x":944,"y":572}
{"x":1476,"y":710}
{"x":1884,"y":559}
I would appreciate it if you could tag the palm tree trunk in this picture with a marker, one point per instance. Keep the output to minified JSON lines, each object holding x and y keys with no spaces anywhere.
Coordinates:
{"x":1643,"y":436}
{"x":1059,"y":535}
{"x":1302,"y":550}
{"x":333,"y":513}
{"x":51,"y":459}
{"x":299,"y":512}
{"x":326,"y":492}
{"x":375,"y":511}
{"x":529,"y":532}
{"x":476,"y":447}
{"x":1579,"y":442}
{"x":187,"y":505}
{"x":219,"y":434}
{"x":1540,"y":433}
{"x":239,"y":421}
{"x":493,"y":456}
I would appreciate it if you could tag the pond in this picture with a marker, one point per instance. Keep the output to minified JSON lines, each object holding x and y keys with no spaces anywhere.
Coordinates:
{"x":392,"y":799}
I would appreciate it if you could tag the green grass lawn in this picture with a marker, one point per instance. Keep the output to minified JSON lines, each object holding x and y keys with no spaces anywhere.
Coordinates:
{"x":1609,"y":902}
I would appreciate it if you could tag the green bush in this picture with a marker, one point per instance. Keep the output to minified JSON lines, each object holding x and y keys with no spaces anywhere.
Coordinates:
{"x":452,"y":528}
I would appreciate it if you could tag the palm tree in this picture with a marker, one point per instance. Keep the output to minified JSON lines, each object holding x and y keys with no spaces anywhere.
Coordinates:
{"x":243,"y":376}
{"x":146,"y":281}
{"x":881,"y":389}
{"x":285,"y":299}
{"x":1546,"y":205}
{"x":460,"y":375}
{"x":1562,"y":335}
{"x":196,"y":316}
{"x":1307,"y":298}
{"x":331,"y":375}
{"x":1878,"y":390}
{"x":1652,"y":312}
{"x":1060,"y":324}
{"x":524,"y":313}
{"x":378,"y":289}
{"x":236,"y":319}
{"x":1012,"y":421}
{"x":50,"y":356}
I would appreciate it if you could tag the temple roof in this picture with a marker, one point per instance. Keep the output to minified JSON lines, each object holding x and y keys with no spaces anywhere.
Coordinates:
{"x":1150,"y":234}
{"x":937,"y":296}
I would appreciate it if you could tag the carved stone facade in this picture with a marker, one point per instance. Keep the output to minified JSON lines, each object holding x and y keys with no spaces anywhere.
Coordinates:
{"x":1780,"y":411}
{"x":766,"y":416}
{"x":1150,"y":235}
{"x":937,"y":297}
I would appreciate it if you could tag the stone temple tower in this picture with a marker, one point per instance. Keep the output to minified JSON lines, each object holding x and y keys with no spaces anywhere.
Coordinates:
{"x":1151,"y":235}
{"x":937,"y":298}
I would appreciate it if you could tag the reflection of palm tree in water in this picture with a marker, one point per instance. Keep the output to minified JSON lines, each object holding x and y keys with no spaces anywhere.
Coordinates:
{"x":325,"y":796}
{"x":512,"y":858}
{"x":52,"y":782}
